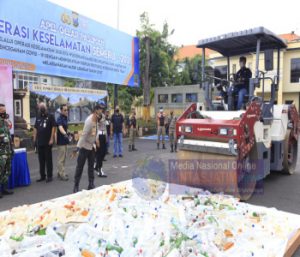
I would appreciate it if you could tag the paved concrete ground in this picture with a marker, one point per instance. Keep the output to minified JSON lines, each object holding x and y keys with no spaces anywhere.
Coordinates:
{"x":280,"y":191}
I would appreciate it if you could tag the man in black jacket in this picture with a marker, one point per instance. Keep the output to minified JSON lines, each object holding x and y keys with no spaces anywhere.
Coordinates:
{"x":242,"y":82}
{"x":117,"y":130}
{"x":43,"y":134}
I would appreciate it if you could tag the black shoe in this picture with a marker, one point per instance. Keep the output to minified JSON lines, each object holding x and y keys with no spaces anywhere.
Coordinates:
{"x":75,"y":188}
{"x":172,"y":149}
{"x":0,"y":194}
{"x":48,"y":180}
{"x":6,"y":192}
{"x":133,"y":148}
{"x":101,"y":174}
{"x":157,"y":146}
{"x":175,"y":148}
{"x":40,"y":179}
{"x":120,"y":155}
{"x":91,"y":186}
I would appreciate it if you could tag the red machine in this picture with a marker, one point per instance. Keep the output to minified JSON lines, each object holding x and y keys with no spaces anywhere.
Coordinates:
{"x":231,"y":150}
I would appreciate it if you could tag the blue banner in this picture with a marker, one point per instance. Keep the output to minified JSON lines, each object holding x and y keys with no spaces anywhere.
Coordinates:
{"x":41,"y":37}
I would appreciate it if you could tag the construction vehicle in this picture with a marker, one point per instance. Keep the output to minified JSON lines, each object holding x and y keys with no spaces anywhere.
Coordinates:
{"x":249,"y":143}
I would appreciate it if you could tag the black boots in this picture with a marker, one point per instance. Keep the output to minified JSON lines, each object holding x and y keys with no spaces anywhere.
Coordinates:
{"x":173,"y":148}
{"x":130,"y":148}
{"x":100,"y":173}
{"x":4,"y":190}
{"x":76,"y":188}
{"x":133,"y":148}
{"x":163,"y":146}
{"x":91,"y":185}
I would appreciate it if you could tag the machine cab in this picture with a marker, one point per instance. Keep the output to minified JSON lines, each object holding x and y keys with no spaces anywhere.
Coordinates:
{"x":252,"y":41}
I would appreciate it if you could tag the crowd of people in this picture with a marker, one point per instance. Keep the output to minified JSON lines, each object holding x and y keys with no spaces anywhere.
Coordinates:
{"x":93,"y":145}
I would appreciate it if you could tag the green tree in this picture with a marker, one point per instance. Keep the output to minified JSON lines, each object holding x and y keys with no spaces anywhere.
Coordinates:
{"x":125,"y":97}
{"x":162,"y":67}
{"x":189,"y":71}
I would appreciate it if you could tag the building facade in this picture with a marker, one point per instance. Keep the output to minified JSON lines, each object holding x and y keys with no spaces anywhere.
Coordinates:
{"x":177,"y":98}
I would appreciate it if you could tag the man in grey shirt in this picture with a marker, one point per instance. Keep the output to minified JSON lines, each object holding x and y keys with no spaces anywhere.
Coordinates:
{"x":85,"y":146}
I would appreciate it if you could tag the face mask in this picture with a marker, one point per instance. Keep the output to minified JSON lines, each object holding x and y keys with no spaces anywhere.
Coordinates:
{"x":4,"y":115}
{"x":117,"y":111}
{"x":43,"y":110}
{"x":99,"y":116}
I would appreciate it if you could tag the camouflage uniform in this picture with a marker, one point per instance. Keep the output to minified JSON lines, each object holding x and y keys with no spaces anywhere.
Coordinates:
{"x":161,"y":128}
{"x":172,"y":132}
{"x":6,"y":152}
{"x":132,"y":132}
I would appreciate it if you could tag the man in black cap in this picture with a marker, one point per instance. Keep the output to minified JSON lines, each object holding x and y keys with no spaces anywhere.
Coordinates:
{"x":242,"y":82}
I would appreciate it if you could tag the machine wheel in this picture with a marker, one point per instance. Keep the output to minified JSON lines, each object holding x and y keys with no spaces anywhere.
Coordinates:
{"x":247,"y":175}
{"x":290,"y":153}
{"x":238,"y":178}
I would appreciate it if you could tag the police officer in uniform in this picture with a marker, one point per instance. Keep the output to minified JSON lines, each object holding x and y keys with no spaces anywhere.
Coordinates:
{"x":6,"y":151}
{"x":101,"y":146}
{"x":108,"y":124}
{"x":161,"y":127}
{"x":132,"y":131}
{"x":172,"y":131}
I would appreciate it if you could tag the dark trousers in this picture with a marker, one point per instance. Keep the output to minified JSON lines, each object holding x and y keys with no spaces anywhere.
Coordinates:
{"x":83,"y":155}
{"x":45,"y":158}
{"x":101,"y":152}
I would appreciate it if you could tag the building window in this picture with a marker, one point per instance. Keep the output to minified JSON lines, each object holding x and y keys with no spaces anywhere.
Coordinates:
{"x":18,"y":108}
{"x":44,"y":81}
{"x":234,"y":68}
{"x":24,"y":80}
{"x":295,"y":70}
{"x":177,"y":98}
{"x":163,"y":98}
{"x":191,"y":97}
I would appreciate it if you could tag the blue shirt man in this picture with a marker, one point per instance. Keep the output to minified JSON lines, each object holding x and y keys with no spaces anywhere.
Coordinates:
{"x":62,"y":141}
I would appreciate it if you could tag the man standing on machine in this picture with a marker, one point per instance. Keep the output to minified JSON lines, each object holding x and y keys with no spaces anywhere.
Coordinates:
{"x":242,"y":78}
